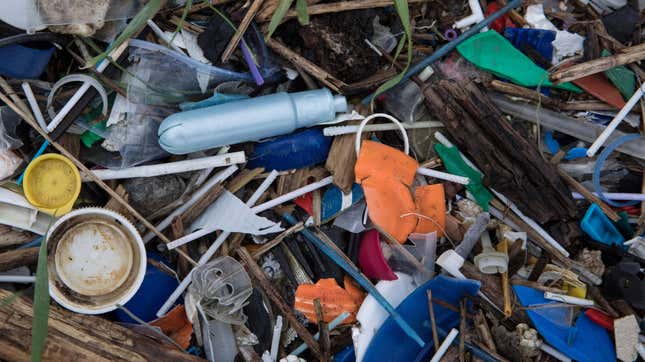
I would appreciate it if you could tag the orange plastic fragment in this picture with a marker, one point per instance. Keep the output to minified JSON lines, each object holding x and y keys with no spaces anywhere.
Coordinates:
{"x":334,"y":299}
{"x":176,"y":325}
{"x":379,"y":160}
{"x":387,"y":199}
{"x":431,"y":202}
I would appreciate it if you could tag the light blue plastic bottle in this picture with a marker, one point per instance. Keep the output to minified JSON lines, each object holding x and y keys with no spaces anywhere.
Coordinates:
{"x":247,"y":120}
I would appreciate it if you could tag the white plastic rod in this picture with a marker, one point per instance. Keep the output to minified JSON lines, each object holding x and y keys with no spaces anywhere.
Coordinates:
{"x":217,"y":178}
{"x":163,"y":36}
{"x":84,"y":88}
{"x":444,"y":345}
{"x":17,"y":279}
{"x":614,"y":196}
{"x":292,"y":195}
{"x":474,"y":18}
{"x":171,"y":167}
{"x":207,"y":255}
{"x":568,"y":299}
{"x":340,"y":130}
{"x":443,"y":176}
{"x":34,"y":106}
{"x":275,"y":341}
{"x":263,"y":187}
{"x":616,"y":121}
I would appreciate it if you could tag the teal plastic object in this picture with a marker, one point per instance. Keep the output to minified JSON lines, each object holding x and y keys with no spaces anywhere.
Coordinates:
{"x":597,"y":225}
{"x":623,"y":78}
{"x":584,"y":341}
{"x":494,"y":53}
{"x":247,"y":120}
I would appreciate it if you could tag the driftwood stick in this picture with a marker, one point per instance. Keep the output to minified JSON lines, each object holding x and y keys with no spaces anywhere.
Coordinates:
{"x":627,"y":55}
{"x":516,"y":90}
{"x":588,"y":195}
{"x":325,"y":344}
{"x":17,"y":258}
{"x":235,"y":40}
{"x":337,"y":7}
{"x":433,"y":321}
{"x":9,"y":236}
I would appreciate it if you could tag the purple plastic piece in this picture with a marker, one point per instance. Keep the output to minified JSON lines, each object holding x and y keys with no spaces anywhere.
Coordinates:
{"x":450,"y":34}
{"x":257,"y":77}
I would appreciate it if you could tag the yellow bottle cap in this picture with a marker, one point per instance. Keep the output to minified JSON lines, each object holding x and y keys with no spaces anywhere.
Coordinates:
{"x":52,"y":183}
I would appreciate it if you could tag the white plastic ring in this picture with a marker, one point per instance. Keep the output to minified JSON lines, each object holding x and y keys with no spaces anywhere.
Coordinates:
{"x":406,"y":141}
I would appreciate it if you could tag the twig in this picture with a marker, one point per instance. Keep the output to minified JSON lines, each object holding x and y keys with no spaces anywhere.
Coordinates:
{"x":325,"y":344}
{"x":278,"y":239}
{"x":462,"y":330}
{"x":435,"y":334}
{"x":588,"y":195}
{"x":235,"y":40}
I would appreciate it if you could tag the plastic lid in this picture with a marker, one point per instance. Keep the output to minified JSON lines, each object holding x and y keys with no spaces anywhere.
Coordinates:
{"x":52,"y":183}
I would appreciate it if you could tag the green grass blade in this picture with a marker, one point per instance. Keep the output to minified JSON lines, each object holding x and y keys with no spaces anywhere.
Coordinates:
{"x":136,"y":24}
{"x":303,"y":13}
{"x":10,"y":299}
{"x":189,"y":4}
{"x":278,"y":15}
{"x":41,"y":306}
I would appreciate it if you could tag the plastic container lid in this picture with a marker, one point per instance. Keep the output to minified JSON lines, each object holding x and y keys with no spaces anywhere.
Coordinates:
{"x":52,"y":183}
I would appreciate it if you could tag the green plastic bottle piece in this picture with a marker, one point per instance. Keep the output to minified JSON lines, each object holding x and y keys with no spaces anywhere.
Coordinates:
{"x":451,"y":158}
{"x":494,"y":53}
{"x":623,"y":78}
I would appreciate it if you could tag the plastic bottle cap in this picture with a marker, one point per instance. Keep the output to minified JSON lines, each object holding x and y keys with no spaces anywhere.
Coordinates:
{"x":52,"y":183}
{"x":451,"y":262}
{"x":340,"y":104}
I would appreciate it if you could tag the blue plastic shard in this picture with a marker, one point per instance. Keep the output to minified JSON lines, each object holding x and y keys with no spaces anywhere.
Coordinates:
{"x":293,"y":151}
{"x":334,"y":201}
{"x":23,"y":62}
{"x":390,"y":344}
{"x":538,"y":39}
{"x":584,"y":341}
{"x":598,"y":226}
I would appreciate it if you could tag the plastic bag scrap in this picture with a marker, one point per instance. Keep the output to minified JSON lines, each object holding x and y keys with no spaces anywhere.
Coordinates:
{"x":9,"y":161}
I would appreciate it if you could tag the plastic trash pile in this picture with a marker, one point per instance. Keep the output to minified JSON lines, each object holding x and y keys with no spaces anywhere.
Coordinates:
{"x":356,"y":180}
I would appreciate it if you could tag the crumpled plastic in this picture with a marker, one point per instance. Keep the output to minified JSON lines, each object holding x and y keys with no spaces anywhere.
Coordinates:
{"x":565,"y":44}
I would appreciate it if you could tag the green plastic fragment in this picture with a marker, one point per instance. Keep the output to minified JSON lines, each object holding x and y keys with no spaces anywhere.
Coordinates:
{"x":453,"y":162}
{"x":89,"y":138}
{"x":623,"y":78}
{"x":494,"y":53}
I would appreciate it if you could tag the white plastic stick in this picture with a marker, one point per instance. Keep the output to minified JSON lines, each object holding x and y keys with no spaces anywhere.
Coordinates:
{"x":207,"y":255}
{"x":171,"y":167}
{"x":17,"y":279}
{"x":474,"y":18}
{"x":443,"y":175}
{"x":163,"y":36}
{"x":292,"y":195}
{"x":340,"y":130}
{"x":34,"y":106}
{"x":275,"y":341}
{"x":263,"y":187}
{"x":84,"y":88}
{"x":568,"y":299}
{"x":217,"y":178}
{"x":444,"y":345}
{"x":614,"y":196}
{"x":615,"y":122}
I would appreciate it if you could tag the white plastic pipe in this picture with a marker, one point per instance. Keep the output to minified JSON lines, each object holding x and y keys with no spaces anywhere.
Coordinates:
{"x":614,"y":196}
{"x":443,"y":176}
{"x":474,"y":18}
{"x":275,"y":341}
{"x":341,"y":130}
{"x":616,"y":121}
{"x":34,"y":106}
{"x":217,"y":178}
{"x":163,"y":36}
{"x":444,"y":345}
{"x":208,"y":254}
{"x":17,"y":279}
{"x":170,"y":167}
{"x":568,"y":299}
{"x":292,"y":195}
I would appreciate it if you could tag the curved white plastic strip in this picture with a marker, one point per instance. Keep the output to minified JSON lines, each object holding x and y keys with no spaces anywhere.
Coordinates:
{"x":406,"y":141}
{"x":87,"y":83}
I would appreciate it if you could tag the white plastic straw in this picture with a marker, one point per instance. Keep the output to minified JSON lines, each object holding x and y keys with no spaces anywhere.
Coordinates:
{"x":17,"y":279}
{"x":208,"y":254}
{"x":217,"y":178}
{"x":163,"y":36}
{"x":443,"y":175}
{"x":171,"y":167}
{"x":340,"y":130}
{"x":275,"y":341}
{"x":292,"y":195}
{"x":34,"y":106}
{"x":444,"y":345}
{"x":568,"y":299}
{"x":614,"y":196}
{"x":615,"y":122}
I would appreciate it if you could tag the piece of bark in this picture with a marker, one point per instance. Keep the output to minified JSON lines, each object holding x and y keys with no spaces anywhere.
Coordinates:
{"x":341,"y":159}
{"x":627,"y":55}
{"x":516,"y":90}
{"x":17,"y":258}
{"x":114,"y":205}
{"x":77,"y":337}
{"x":511,"y":164}
{"x":10,"y":237}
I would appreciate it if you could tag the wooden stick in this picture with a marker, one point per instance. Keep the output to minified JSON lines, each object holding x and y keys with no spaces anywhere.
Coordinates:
{"x":278,"y":239}
{"x":10,"y":237}
{"x":17,"y":258}
{"x":325,"y":344}
{"x":433,"y":321}
{"x":257,"y":273}
{"x":516,"y":90}
{"x":462,"y":330}
{"x":484,"y":331}
{"x":588,"y":195}
{"x":627,"y":55}
{"x":235,"y":40}
{"x":330,"y":81}
{"x":32,"y":122}
{"x":337,"y":7}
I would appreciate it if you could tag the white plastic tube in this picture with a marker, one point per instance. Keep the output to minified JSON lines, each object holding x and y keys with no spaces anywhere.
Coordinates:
{"x":275,"y":341}
{"x":293,"y":194}
{"x":614,"y":196}
{"x":171,"y":167}
{"x":341,"y":130}
{"x":474,"y":18}
{"x":568,"y":299}
{"x":615,"y":122}
{"x":444,"y":345}
{"x":163,"y":36}
{"x":443,"y":175}
{"x":17,"y":279}
{"x":208,"y":254}
{"x":34,"y":106}
{"x":219,"y":177}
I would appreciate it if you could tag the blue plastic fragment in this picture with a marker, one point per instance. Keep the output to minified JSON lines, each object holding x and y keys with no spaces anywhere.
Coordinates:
{"x":154,"y":291}
{"x":334,"y":201}
{"x":296,"y":150}
{"x":24,"y":62}
{"x":538,"y":39}
{"x":585,"y":341}
{"x":597,"y":225}
{"x":554,"y":146}
{"x":346,"y":354}
{"x":390,"y":344}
